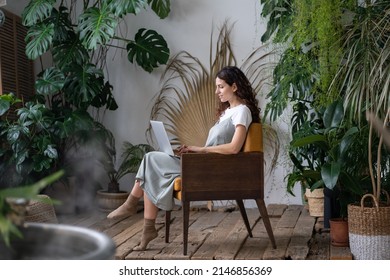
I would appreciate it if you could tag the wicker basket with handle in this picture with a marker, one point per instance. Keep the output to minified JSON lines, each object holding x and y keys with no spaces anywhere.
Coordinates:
{"x":369,"y":229}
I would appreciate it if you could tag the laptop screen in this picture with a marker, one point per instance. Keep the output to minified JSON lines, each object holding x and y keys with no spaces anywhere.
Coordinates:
{"x":162,"y":137}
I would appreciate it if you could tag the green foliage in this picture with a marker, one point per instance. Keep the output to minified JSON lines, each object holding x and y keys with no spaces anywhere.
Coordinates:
{"x":309,"y":32}
{"x":96,"y":27}
{"x":57,"y":120}
{"x":364,"y":75}
{"x":318,"y":24}
{"x":130,"y":160}
{"x":279,"y":24}
{"x":325,"y":156}
{"x":346,"y":41}
{"x":333,"y":50}
{"x":149,"y":49}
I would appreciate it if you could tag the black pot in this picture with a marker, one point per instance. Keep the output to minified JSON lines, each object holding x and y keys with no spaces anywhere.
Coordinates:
{"x":43,"y":241}
{"x":331,"y":205}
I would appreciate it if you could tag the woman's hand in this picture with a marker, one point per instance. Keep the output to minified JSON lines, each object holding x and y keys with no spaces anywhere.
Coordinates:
{"x":181,"y":150}
{"x":188,"y":149}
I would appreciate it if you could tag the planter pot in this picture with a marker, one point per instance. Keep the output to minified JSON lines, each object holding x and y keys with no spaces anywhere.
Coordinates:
{"x":315,"y":200}
{"x":58,"y":242}
{"x":331,"y":205}
{"x":339,"y":235}
{"x":108,"y":202}
{"x":369,"y":230}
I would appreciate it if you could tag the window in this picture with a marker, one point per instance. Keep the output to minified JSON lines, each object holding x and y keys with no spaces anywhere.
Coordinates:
{"x":16,"y":70}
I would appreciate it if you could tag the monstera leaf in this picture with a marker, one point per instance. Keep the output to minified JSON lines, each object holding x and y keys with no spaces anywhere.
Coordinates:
{"x":149,"y":49}
{"x":121,"y":7}
{"x":36,"y":11}
{"x":83,"y":84}
{"x":69,"y":52}
{"x":160,"y":7}
{"x":51,"y":81}
{"x":39,"y":38}
{"x":97,"y":26}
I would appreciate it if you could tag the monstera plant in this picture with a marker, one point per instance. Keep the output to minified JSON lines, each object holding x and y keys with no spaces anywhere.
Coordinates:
{"x":78,"y":35}
{"x":69,"y":40}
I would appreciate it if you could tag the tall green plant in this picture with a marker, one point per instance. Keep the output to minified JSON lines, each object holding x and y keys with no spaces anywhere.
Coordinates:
{"x":342,"y":45}
{"x":337,"y":49}
{"x":309,"y":32}
{"x":365,"y":71}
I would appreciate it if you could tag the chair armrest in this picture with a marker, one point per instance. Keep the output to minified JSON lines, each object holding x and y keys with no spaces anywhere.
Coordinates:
{"x":213,"y":172}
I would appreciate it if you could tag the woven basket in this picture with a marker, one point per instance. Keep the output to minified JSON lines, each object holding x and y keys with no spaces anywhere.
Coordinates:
{"x":315,"y":200}
{"x":369,"y":230}
{"x":40,"y":212}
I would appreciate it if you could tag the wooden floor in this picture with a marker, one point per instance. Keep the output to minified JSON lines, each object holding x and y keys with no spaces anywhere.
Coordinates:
{"x":220,"y":234}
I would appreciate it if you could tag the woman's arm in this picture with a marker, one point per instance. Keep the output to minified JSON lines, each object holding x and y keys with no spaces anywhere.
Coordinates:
{"x":230,"y":148}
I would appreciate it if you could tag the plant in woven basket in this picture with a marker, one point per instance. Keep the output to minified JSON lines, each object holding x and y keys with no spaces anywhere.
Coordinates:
{"x":369,"y":220}
{"x":333,"y":141}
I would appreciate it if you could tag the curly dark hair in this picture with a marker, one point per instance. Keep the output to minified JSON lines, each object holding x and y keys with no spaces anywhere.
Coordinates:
{"x":231,"y":75}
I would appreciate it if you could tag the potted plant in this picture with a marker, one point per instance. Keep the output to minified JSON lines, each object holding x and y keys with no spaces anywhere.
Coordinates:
{"x":39,"y":141}
{"x":130,"y":160}
{"x":307,"y":160}
{"x":369,"y":230}
{"x":337,"y":171}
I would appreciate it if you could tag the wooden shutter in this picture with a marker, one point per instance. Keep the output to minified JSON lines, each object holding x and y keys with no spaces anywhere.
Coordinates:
{"x":16,"y":71}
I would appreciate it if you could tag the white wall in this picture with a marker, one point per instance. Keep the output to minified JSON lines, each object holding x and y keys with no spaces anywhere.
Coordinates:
{"x":15,"y":6}
{"x":188,"y":28}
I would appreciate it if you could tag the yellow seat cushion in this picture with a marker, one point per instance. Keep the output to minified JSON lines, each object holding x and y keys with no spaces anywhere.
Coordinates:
{"x":177,"y":188}
{"x":177,"y":184}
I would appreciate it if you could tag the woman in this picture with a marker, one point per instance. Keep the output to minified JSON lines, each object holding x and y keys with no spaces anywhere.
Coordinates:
{"x":238,"y":107}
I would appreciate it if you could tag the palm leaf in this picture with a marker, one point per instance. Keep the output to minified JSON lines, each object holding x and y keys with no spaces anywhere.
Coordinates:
{"x":365,"y":72}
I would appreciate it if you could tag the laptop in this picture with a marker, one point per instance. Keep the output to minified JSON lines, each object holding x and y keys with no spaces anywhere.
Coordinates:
{"x":162,"y":137}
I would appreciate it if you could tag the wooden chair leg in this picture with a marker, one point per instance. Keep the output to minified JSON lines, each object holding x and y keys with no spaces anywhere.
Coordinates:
{"x":240,"y":204}
{"x":167,"y":225}
{"x":264,"y":215}
{"x":186,"y":219}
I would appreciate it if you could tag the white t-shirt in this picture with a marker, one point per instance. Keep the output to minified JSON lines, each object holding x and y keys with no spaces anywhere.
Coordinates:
{"x":240,"y":114}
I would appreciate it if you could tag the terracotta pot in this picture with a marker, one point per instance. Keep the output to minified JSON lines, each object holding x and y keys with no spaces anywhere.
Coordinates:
{"x":339,"y":235}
